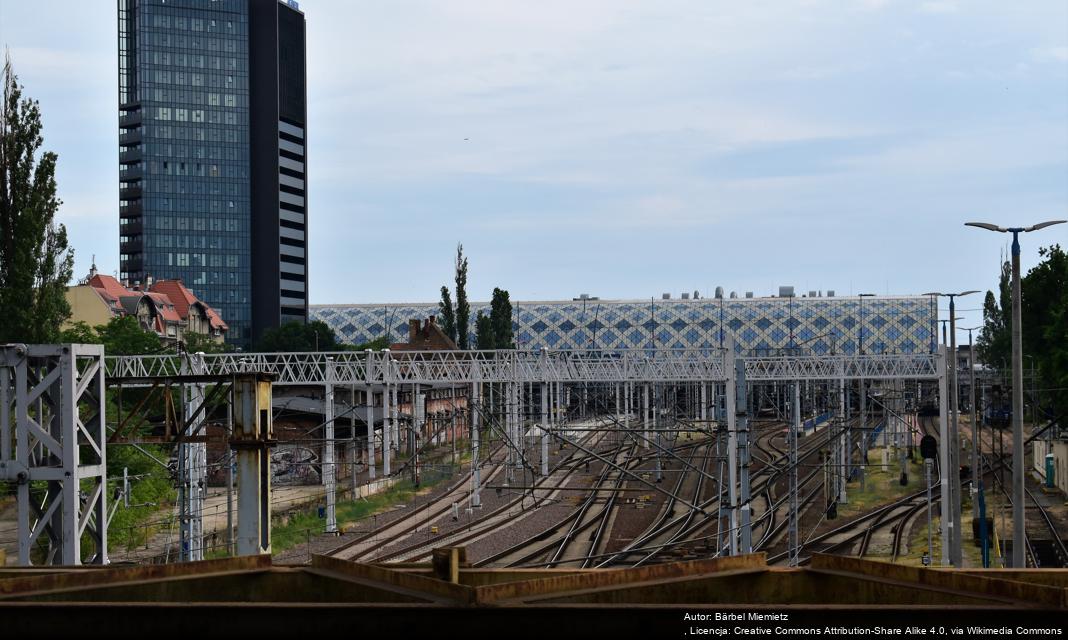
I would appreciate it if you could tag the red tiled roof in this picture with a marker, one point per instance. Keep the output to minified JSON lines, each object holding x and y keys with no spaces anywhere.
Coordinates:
{"x":216,"y":320}
{"x":177,"y":292}
{"x":171,"y":298}
{"x":109,"y":285}
{"x":183,"y":298}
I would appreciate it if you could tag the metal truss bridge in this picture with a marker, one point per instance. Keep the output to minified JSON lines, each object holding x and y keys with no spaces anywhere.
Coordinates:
{"x":525,"y":366}
{"x":50,"y":389}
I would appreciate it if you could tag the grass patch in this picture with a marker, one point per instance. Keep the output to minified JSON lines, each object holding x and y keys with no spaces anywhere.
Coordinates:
{"x":882,"y":486}
{"x":297,"y":526}
{"x":972,"y":554}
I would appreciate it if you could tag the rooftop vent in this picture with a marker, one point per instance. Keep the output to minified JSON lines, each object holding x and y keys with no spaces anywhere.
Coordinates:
{"x":734,"y":294}
{"x":685,"y":295}
{"x":830,"y":293}
{"x":665,"y":296}
{"x":748,"y":294}
{"x":719,"y":292}
{"x":786,"y":292}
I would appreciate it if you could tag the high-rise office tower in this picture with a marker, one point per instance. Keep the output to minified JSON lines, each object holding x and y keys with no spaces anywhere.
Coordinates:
{"x":212,"y":152}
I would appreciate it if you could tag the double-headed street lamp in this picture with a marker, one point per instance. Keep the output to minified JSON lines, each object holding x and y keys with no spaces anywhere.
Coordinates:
{"x":951,"y":441}
{"x":1019,"y":532}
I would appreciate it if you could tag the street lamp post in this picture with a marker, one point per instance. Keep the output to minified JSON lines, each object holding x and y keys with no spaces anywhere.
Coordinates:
{"x":1019,"y":532}
{"x":952,"y":443}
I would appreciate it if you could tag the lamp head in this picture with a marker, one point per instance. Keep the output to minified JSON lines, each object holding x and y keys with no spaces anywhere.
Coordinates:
{"x":1043,"y":225}
{"x":987,"y":226}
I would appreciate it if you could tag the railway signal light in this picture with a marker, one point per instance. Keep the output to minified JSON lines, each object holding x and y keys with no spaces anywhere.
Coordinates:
{"x":929,"y":447}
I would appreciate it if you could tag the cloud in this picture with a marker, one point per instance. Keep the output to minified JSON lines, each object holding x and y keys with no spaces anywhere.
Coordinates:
{"x":1052,"y":53}
{"x":939,"y":6}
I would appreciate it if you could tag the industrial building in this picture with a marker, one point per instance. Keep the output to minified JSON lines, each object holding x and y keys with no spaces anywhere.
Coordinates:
{"x":813,"y":323}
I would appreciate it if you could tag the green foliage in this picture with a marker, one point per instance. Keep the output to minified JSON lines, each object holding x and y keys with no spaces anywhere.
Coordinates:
{"x":1054,"y":366}
{"x":35,"y":261}
{"x":299,"y":336}
{"x":1044,"y":312}
{"x":448,"y":315}
{"x":121,"y":336}
{"x":501,"y":318}
{"x":1043,"y":306}
{"x":377,"y":345}
{"x":80,"y":333}
{"x":151,"y":491}
{"x":304,"y":523}
{"x":484,"y":336}
{"x":463,"y":307}
{"x":201,"y":343}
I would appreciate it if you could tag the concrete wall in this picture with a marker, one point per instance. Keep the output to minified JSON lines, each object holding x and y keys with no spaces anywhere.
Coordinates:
{"x":86,"y":306}
{"x":1060,"y":461}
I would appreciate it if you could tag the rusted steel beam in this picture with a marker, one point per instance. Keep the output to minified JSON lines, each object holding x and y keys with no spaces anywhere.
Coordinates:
{"x":1050,"y":577}
{"x":115,"y":435}
{"x":432,"y":589}
{"x":216,"y":391}
{"x":166,"y":440}
{"x":556,"y":586}
{"x":1018,"y":593}
{"x":22,"y":586}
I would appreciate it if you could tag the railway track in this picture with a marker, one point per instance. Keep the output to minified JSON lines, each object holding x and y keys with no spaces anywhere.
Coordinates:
{"x":365,"y":546}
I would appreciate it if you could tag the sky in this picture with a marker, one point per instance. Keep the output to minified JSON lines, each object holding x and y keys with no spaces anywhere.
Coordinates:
{"x":625,"y":149}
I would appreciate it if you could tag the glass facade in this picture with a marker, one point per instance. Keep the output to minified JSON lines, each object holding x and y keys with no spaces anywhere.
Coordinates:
{"x":184,"y":150}
{"x":821,"y":325}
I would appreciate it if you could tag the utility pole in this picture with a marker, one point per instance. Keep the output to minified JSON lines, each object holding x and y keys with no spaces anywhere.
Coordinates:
{"x":843,"y":454}
{"x":951,"y":441}
{"x":252,"y":438}
{"x":230,"y":473}
{"x":795,"y":432}
{"x":475,"y":425}
{"x":353,"y":447}
{"x":732,"y":450}
{"x":945,"y":504}
{"x":329,"y":478}
{"x":386,"y":435}
{"x":544,"y":429}
{"x":976,"y":473}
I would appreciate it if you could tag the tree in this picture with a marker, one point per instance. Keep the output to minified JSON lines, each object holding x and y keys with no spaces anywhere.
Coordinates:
{"x":994,"y":343}
{"x":298,"y":336}
{"x":1044,"y":307}
{"x":448,"y":316}
{"x":1055,"y":364}
{"x":79,"y":333}
{"x":121,"y":336}
{"x":1044,"y":310}
{"x":35,"y":261}
{"x":501,"y":319}
{"x":463,"y":308}
{"x":484,"y":334}
{"x":201,"y":343}
{"x":377,"y":345}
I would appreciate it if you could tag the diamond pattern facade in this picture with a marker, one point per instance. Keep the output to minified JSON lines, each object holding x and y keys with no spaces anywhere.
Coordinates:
{"x":815,"y":325}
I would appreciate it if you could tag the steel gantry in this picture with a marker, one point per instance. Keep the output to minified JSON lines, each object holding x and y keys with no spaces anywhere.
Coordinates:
{"x":632,"y":372}
{"x":52,"y":411}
